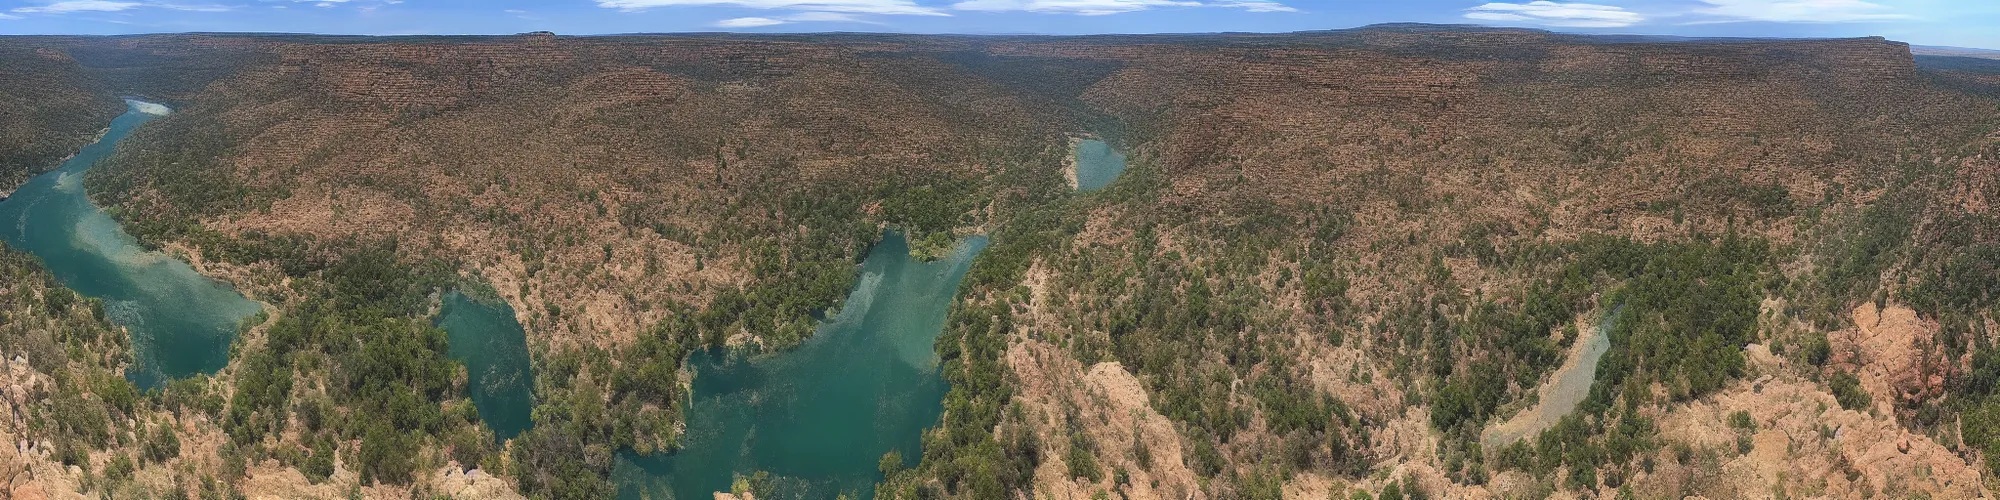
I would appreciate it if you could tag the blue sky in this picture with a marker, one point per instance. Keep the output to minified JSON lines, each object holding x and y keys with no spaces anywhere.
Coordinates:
{"x":1965,"y":23}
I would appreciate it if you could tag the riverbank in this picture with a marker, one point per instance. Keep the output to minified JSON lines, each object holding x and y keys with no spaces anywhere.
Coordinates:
{"x":181,"y":322}
{"x":1091,"y":164}
{"x":1565,"y":389}
{"x":817,"y":419}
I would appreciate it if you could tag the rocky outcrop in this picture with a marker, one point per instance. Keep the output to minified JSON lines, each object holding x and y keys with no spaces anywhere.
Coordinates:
{"x":1894,"y":354}
{"x":1805,"y":444}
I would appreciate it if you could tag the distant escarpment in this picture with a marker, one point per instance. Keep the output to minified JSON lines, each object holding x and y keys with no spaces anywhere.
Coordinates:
{"x":1977,"y":75}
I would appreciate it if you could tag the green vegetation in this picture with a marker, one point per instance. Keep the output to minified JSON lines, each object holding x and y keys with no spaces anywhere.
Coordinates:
{"x":359,"y":337}
{"x":189,"y":184}
{"x":795,"y":274}
{"x":580,"y":424}
{"x":53,"y":109}
{"x":1163,"y":329}
{"x":51,"y":327}
{"x":1848,"y":392}
{"x":1740,"y":420}
{"x":985,"y":447}
{"x":1687,"y":310}
{"x":1680,"y":313}
{"x":798,"y":241}
{"x":1207,"y":298}
{"x":930,"y":214}
{"x":79,"y":402}
{"x":1914,"y":244}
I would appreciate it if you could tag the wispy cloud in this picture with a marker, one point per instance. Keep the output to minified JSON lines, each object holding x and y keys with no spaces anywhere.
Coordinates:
{"x":1558,"y":14}
{"x":1256,"y":5}
{"x":886,"y":7}
{"x":824,"y":17}
{"x":4,"y":15}
{"x":70,"y":6}
{"x":1104,"y":7}
{"x":802,"y":17}
{"x":1797,"y":11}
{"x":748,"y":22}
{"x":365,"y":6}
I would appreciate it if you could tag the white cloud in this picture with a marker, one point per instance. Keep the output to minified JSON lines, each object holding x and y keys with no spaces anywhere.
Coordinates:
{"x":363,"y":5}
{"x":823,"y":17}
{"x":8,"y":16}
{"x":1084,"y":7}
{"x":69,"y":6}
{"x":802,"y":17}
{"x":1256,"y":5}
{"x":748,"y":22}
{"x":1547,"y":13}
{"x":894,"y":7}
{"x":1798,"y":11}
{"x":1103,"y":7}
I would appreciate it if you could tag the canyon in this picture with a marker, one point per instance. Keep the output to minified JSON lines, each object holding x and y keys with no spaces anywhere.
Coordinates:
{"x":1326,"y":264}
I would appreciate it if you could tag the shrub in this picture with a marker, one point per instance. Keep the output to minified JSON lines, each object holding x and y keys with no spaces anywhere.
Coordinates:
{"x":1847,"y":390}
{"x":1741,"y":420}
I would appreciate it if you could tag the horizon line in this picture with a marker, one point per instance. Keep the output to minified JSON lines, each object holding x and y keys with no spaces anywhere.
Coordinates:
{"x":1390,"y":25}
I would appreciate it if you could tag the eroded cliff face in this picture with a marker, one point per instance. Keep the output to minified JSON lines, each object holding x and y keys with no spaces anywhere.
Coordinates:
{"x":1334,"y":199}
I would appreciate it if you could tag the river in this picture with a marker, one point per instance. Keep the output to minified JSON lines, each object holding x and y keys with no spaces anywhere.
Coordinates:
{"x":1096,"y":164}
{"x":181,"y":322}
{"x":819,"y":417}
{"x":1563,"y":392}
{"x":485,"y":336}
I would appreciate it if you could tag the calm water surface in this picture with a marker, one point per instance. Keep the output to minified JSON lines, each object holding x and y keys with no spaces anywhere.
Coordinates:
{"x":181,"y":322}
{"x":1097,"y":164}
{"x":819,"y":417}
{"x":485,"y":336}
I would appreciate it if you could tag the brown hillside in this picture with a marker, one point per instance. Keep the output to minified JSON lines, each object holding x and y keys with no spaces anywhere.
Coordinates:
{"x":1334,"y":259}
{"x":49,"y":108}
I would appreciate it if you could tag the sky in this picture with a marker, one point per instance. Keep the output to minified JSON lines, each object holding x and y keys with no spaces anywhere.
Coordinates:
{"x":1961,"y":23}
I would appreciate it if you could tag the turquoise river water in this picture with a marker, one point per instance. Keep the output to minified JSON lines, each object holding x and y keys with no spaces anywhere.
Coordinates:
{"x":181,"y":322}
{"x":816,"y":418}
{"x":1097,"y":164}
{"x":820,"y":416}
{"x":485,"y":336}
